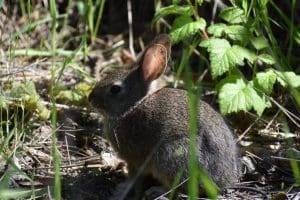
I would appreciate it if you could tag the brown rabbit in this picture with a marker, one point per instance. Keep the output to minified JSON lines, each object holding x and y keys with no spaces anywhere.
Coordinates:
{"x":151,"y":130}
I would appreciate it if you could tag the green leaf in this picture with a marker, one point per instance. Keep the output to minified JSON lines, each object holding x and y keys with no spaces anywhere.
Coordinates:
{"x":259,"y":42}
{"x":70,"y":96}
{"x":27,"y":92}
{"x":238,"y":32}
{"x":217,"y":30}
{"x":215,"y":45}
{"x":228,"y":79}
{"x":233,"y":15}
{"x":245,"y":5}
{"x":76,"y":96}
{"x":288,"y":78}
{"x":173,"y":9}
{"x":265,"y":81}
{"x":224,"y":57}
{"x":244,"y":53}
{"x":266,"y":58}
{"x":187,"y":30}
{"x":220,"y":58}
{"x":180,"y":21}
{"x":234,"y":32}
{"x":239,"y":96}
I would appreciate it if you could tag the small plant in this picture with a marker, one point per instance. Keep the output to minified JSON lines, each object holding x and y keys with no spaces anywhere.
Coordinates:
{"x":245,"y":60}
{"x":236,"y":42}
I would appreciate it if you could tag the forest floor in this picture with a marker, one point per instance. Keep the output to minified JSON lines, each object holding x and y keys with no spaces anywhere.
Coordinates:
{"x":90,"y":169}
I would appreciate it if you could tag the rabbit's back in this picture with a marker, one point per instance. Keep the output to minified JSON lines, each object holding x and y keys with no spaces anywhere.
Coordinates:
{"x":156,"y":129}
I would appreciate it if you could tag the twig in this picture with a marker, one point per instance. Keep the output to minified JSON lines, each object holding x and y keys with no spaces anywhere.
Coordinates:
{"x":217,"y":3}
{"x":63,"y":106}
{"x":247,"y":130}
{"x":168,"y":192}
{"x":129,"y":14}
{"x":68,"y":152}
{"x":73,"y":166}
{"x":23,"y":69}
{"x":249,"y":188}
{"x":140,"y":171}
{"x":285,"y":159}
{"x":289,"y":114}
{"x":272,"y":120}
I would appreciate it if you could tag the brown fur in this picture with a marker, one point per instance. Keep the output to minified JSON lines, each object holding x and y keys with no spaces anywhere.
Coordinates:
{"x":154,"y":127}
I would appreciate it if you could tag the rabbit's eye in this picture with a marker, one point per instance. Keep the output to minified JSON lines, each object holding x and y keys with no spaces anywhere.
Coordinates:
{"x":115,"y":89}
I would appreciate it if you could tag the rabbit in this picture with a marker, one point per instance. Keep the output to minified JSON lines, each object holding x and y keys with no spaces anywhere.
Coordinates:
{"x":151,"y":129}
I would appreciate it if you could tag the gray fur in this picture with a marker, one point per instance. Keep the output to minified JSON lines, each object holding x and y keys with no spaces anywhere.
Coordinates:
{"x":156,"y":125}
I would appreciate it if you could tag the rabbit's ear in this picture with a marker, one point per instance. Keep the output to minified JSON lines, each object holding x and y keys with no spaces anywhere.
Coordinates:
{"x":155,"y":58}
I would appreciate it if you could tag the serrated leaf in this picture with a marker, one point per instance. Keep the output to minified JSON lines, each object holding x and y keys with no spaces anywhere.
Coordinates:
{"x":228,"y":79}
{"x":245,"y":53}
{"x":238,"y":32}
{"x":259,"y":42}
{"x":239,"y":96}
{"x":187,"y":30}
{"x":173,"y":9}
{"x":266,"y":58}
{"x":214,"y":45}
{"x":288,"y":78}
{"x":180,"y":21}
{"x":234,"y":32}
{"x":217,"y":30}
{"x":265,"y":81}
{"x":223,"y":57}
{"x":219,"y":55}
{"x":233,"y":15}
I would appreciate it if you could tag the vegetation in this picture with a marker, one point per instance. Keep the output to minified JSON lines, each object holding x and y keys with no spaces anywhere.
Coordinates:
{"x":242,"y":38}
{"x":250,"y":48}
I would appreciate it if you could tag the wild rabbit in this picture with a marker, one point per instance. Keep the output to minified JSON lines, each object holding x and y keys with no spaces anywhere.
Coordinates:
{"x":151,"y":130}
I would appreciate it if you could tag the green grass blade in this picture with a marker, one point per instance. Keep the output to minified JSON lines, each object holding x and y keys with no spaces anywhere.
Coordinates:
{"x":99,"y":17}
{"x":55,"y":154}
{"x":43,"y":53}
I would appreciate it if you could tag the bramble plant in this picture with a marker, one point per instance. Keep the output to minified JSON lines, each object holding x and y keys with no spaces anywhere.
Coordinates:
{"x":242,"y":42}
{"x":243,"y":39}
